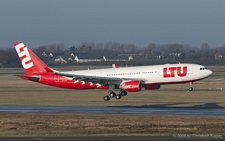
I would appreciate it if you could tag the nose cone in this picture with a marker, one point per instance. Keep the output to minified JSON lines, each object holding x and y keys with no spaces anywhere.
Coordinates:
{"x":210,"y":72}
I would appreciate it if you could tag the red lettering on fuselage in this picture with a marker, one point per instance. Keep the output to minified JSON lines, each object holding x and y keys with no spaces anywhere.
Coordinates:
{"x":170,"y":72}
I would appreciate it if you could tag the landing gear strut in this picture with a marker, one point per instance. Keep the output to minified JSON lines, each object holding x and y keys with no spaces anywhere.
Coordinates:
{"x":190,"y":87}
{"x":113,"y":94}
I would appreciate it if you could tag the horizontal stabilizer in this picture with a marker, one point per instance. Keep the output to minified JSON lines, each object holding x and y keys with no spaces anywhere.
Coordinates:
{"x":35,"y":78}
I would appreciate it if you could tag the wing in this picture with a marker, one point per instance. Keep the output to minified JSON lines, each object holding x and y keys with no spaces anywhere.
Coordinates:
{"x":103,"y":80}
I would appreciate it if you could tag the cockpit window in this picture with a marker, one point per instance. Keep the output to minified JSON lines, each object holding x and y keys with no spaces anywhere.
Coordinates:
{"x":203,"y":68}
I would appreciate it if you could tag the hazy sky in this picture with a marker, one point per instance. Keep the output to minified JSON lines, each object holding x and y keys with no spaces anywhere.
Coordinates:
{"x":43,"y":22}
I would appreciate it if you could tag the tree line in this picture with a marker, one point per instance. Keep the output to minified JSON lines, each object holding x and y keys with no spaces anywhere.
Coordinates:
{"x":151,"y":54}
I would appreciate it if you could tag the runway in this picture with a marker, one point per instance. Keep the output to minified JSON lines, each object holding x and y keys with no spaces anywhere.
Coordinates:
{"x":116,"y":110}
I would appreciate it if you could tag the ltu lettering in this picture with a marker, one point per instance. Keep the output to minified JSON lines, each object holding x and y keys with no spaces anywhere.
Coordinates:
{"x":24,"y":56}
{"x":170,"y":72}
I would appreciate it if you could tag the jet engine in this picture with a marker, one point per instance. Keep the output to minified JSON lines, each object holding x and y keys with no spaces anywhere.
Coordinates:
{"x":151,"y":87}
{"x":132,"y":86}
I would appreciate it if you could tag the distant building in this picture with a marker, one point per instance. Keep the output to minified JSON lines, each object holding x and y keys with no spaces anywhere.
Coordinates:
{"x":60,"y":60}
{"x":83,"y":57}
{"x":130,"y":58}
{"x":117,"y":58}
{"x":87,"y":59}
{"x":50,"y":55}
{"x":218,"y":56}
{"x":44,"y":54}
{"x":175,"y":54}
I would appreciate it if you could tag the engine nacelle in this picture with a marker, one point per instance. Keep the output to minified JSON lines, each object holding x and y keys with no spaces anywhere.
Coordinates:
{"x":151,"y":87}
{"x":132,"y":86}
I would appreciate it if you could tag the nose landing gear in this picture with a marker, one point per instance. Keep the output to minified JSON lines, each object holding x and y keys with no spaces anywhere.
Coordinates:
{"x":190,"y":87}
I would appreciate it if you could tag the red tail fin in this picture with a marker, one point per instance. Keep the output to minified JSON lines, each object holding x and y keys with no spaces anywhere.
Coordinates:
{"x":31,"y":63}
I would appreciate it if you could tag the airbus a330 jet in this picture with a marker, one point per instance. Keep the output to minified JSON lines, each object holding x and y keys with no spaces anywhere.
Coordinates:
{"x":126,"y":79}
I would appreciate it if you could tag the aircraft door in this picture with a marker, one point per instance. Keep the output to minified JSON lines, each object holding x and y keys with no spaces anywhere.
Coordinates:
{"x":190,"y":70}
{"x":56,"y":78}
{"x":159,"y":72}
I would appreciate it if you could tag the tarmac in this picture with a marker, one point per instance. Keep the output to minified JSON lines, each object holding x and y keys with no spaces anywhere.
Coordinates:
{"x":198,"y":111}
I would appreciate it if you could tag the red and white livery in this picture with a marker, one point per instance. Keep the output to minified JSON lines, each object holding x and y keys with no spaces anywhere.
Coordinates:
{"x":127,"y":79}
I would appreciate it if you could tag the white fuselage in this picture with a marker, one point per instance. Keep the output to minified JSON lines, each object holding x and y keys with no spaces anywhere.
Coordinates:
{"x":155,"y":74}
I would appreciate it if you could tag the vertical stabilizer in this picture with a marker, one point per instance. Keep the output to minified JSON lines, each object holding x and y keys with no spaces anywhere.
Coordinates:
{"x":31,"y":63}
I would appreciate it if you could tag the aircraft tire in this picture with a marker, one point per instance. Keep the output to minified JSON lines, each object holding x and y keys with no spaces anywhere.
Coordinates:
{"x":123,"y":93}
{"x":106,"y":98}
{"x":190,"y":89}
{"x":118,"y":96}
{"x":112,"y":94}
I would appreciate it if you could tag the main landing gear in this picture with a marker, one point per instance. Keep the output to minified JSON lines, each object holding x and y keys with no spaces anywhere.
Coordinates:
{"x":190,"y":87}
{"x":113,"y":94}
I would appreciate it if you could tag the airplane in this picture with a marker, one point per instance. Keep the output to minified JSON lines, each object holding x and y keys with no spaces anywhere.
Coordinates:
{"x":126,"y":79}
